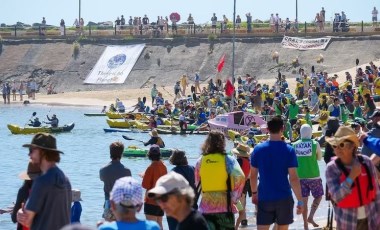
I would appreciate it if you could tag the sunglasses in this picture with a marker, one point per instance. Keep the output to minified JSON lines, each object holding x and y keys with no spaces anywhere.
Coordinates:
{"x":341,"y":145}
{"x":163,"y":198}
{"x":31,"y":149}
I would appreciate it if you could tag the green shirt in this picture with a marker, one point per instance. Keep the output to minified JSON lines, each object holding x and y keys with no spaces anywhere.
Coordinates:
{"x":293,"y":111}
{"x":306,"y":151}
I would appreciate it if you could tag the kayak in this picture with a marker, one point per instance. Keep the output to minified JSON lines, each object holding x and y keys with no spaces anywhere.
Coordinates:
{"x":133,"y":151}
{"x":114,"y":123}
{"x":15,"y":129}
{"x":110,"y":130}
{"x":168,"y":127}
{"x":176,"y":132}
{"x":117,"y":115}
{"x":95,"y":114}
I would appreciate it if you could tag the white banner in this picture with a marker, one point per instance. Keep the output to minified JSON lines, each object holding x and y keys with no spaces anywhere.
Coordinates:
{"x":305,"y":44}
{"x":115,"y":64}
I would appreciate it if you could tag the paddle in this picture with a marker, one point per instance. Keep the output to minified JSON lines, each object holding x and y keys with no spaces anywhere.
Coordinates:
{"x":30,"y":119}
{"x":131,"y":139}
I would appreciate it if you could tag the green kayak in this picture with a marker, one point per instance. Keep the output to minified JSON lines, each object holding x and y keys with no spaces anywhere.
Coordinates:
{"x":137,"y":152}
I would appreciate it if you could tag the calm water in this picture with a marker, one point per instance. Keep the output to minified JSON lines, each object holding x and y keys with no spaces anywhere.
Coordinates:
{"x":85,"y":152}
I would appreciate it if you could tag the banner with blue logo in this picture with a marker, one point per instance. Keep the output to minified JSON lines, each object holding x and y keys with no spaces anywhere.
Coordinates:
{"x":115,"y":64}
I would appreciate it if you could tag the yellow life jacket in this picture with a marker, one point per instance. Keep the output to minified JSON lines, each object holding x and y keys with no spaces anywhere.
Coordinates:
{"x":213,"y":173}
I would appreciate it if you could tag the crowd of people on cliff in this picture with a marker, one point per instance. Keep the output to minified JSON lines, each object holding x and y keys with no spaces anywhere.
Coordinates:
{"x":138,"y":25}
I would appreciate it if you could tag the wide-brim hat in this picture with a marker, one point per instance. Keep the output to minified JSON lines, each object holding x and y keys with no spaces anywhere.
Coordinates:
{"x":241,"y":150}
{"x":343,"y":133}
{"x":32,"y":172}
{"x":44,"y":141}
{"x":153,"y":133}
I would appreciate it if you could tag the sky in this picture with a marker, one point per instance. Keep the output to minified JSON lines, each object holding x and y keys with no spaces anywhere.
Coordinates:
{"x":31,"y":11}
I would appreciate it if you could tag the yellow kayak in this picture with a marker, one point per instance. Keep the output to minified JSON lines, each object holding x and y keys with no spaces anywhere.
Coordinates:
{"x":15,"y":129}
{"x":114,"y":123}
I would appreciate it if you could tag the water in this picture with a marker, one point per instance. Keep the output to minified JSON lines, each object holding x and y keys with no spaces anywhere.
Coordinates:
{"x":86,"y":150}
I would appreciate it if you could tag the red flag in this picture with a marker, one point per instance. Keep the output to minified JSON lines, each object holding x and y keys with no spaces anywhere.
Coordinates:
{"x":221,"y":63}
{"x":229,"y":88}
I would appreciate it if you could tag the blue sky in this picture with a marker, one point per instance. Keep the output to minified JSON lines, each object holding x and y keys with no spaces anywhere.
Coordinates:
{"x":30,"y":11}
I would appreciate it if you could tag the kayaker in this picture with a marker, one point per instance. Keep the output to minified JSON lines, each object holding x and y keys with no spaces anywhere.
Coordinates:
{"x":112,"y":108}
{"x":155,"y":139}
{"x":53,"y":121}
{"x":35,"y":122}
{"x":104,"y":109}
{"x":182,"y":121}
{"x":120,"y":106}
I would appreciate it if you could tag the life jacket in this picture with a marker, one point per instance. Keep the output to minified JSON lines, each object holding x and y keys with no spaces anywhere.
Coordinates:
{"x":244,"y":165}
{"x":363,"y":189}
{"x":160,"y":142}
{"x":213,"y":173}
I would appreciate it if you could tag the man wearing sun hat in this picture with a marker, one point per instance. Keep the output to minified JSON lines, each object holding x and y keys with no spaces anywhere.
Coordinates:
{"x":126,"y":202}
{"x":352,"y":182}
{"x":49,"y":203}
{"x":175,"y":196}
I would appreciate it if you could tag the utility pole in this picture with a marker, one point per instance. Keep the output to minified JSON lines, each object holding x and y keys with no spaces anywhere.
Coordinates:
{"x":233,"y":57}
{"x":79,"y":10}
{"x":297,"y":10}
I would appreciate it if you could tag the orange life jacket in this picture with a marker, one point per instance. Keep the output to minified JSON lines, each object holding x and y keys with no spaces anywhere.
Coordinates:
{"x":363,"y":189}
{"x":245,"y":166}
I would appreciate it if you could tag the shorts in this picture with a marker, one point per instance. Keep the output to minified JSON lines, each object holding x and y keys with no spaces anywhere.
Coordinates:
{"x":247,"y":188}
{"x":216,"y":221}
{"x":153,"y":210}
{"x":374,"y":19}
{"x":280,"y":212}
{"x":213,"y":26}
{"x":107,"y":213}
{"x":311,"y":185}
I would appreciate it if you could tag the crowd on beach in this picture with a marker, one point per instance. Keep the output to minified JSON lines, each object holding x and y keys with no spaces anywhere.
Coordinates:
{"x":11,"y":89}
{"x":269,"y":171}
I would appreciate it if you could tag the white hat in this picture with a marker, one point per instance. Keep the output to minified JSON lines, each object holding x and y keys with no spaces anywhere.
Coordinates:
{"x":127,"y":191}
{"x":168,"y":183}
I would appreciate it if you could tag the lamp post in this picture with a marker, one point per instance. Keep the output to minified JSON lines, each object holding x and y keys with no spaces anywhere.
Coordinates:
{"x":233,"y":56}
{"x":297,"y":10}
{"x":79,"y":10}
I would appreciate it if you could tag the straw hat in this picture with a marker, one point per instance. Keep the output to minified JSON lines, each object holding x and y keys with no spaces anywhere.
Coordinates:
{"x":32,"y":172}
{"x":343,"y":133}
{"x":241,"y":150}
{"x":76,"y":195}
{"x":154,"y":133}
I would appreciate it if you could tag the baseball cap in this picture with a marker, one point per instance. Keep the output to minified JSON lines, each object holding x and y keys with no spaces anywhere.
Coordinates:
{"x":168,"y":183}
{"x":127,"y":192}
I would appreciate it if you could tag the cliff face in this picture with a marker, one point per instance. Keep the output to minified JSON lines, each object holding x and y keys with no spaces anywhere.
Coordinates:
{"x":164,"y":61}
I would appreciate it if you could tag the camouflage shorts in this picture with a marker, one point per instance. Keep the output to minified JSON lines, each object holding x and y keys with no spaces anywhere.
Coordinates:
{"x":107,"y":213}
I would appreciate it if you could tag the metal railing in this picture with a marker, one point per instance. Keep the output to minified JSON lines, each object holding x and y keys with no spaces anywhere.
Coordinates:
{"x":150,"y":30}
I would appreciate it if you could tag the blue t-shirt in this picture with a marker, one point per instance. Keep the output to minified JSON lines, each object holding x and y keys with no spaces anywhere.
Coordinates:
{"x":76,"y":211}
{"x":141,"y":224}
{"x":273,"y":159}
